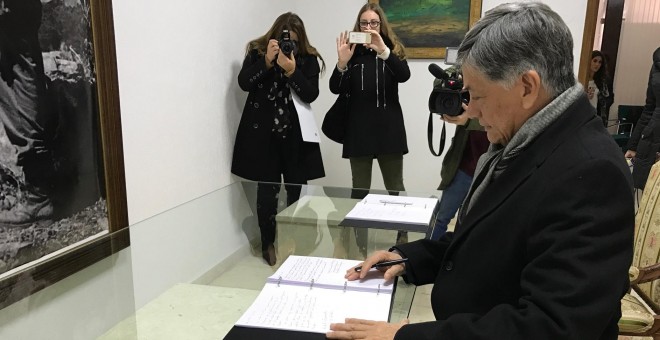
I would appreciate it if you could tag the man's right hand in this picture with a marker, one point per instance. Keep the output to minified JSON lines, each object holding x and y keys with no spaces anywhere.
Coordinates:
{"x":379,"y":256}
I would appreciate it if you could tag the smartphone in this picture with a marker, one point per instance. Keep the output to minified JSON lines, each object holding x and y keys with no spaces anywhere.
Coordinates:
{"x":359,"y":38}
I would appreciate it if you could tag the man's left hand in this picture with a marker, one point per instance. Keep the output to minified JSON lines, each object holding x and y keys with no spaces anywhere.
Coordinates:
{"x":364,"y":329}
{"x":458,"y":120}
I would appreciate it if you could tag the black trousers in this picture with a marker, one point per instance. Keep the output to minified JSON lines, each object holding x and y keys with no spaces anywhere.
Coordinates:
{"x":267,"y":207}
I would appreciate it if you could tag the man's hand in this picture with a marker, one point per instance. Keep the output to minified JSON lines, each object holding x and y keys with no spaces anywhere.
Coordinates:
{"x":379,"y":256}
{"x":364,"y":329}
{"x":461,"y":119}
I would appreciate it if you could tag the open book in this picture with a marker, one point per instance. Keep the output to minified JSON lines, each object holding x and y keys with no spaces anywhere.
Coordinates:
{"x":307,"y":294}
{"x":392,"y":212}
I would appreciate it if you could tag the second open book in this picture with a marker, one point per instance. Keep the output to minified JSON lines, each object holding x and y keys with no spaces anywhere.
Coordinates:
{"x":307,"y":294}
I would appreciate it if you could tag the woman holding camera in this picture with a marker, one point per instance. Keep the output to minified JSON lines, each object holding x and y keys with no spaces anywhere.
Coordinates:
{"x":370,"y":73}
{"x":269,"y":144}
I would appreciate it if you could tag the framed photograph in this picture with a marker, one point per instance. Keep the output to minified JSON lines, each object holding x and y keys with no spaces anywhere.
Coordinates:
{"x":62,"y":186}
{"x":427,"y":27}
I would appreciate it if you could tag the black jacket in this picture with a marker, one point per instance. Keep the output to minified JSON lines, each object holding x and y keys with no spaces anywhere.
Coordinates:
{"x":645,"y":139}
{"x":258,"y":154}
{"x":375,"y":119}
{"x":544,"y":251}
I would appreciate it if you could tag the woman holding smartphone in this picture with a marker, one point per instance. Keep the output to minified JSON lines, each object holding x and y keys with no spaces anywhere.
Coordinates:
{"x":370,"y":73}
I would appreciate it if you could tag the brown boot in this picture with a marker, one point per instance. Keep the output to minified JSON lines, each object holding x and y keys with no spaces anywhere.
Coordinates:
{"x":28,"y":209}
{"x":269,"y":255}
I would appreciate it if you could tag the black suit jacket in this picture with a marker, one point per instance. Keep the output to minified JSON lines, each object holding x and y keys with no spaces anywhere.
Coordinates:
{"x":544,"y":251}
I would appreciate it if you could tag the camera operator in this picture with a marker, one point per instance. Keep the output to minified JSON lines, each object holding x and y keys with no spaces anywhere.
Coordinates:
{"x":458,"y":167}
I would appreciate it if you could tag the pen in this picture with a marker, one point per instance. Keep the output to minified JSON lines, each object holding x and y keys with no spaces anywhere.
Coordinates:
{"x":383,"y":264}
{"x":394,"y":202}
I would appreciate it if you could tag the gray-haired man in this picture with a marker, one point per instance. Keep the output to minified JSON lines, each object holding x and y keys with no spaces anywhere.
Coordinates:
{"x":541,"y":250}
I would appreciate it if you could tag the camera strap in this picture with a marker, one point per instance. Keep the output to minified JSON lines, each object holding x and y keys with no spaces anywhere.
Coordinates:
{"x":429,"y":133}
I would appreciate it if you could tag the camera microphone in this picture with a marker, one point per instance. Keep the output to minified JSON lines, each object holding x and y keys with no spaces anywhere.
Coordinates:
{"x":437,"y":71}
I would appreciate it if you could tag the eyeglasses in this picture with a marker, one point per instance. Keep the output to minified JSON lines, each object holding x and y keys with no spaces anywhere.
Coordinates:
{"x":372,"y":23}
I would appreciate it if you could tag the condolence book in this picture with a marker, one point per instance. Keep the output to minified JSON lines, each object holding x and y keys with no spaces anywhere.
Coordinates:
{"x":307,"y":294}
{"x":392,"y":212}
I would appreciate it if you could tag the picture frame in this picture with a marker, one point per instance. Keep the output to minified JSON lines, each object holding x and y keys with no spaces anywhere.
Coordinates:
{"x":103,"y":133}
{"x":420,"y":32}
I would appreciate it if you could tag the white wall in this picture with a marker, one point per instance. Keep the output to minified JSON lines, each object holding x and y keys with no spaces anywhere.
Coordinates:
{"x":639,"y":38}
{"x":181,"y":105}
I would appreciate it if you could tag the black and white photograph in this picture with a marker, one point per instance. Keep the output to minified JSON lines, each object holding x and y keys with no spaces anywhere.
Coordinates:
{"x":52,"y":175}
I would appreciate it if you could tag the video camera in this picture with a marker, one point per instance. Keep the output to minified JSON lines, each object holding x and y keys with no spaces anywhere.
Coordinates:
{"x":287,"y":46}
{"x":447,"y":96}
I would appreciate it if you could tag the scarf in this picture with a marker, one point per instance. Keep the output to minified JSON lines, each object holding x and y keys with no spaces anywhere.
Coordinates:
{"x":498,"y":157}
{"x":280,"y":95}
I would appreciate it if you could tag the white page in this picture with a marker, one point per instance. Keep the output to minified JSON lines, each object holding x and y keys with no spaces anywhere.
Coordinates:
{"x":328,"y":273}
{"x":308,"y":128}
{"x":401,"y":209}
{"x":299,"y":308}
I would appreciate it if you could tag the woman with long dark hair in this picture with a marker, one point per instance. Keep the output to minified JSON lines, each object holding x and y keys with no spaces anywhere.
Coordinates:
{"x":599,"y":89}
{"x":269,"y":144}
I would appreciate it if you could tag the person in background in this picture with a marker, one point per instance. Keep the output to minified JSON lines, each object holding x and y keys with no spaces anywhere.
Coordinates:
{"x":25,"y":115}
{"x":541,"y":250}
{"x":371,"y":74}
{"x":599,"y":88}
{"x":644,"y":143}
{"x":458,"y":167}
{"x":269,"y":145}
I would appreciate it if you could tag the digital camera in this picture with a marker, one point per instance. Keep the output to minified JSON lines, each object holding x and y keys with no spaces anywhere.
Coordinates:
{"x":447,"y":97}
{"x":287,"y":46}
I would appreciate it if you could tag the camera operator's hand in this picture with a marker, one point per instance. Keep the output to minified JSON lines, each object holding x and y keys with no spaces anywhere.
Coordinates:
{"x":377,"y":43}
{"x":287,"y":63}
{"x":271,"y":52}
{"x":344,"y":50}
{"x":458,"y":120}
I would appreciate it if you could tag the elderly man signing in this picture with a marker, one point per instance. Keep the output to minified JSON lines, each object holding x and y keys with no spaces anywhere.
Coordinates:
{"x":544,"y":238}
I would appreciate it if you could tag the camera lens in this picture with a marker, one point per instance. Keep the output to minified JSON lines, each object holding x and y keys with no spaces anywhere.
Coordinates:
{"x":286,"y":47}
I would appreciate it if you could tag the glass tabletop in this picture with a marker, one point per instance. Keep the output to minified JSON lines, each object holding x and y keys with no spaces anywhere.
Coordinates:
{"x":191,"y":271}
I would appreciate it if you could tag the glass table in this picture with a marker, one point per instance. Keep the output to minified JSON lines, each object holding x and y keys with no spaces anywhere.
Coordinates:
{"x":191,"y":271}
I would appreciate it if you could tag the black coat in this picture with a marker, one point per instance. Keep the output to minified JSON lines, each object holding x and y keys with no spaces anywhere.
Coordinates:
{"x":645,"y":139}
{"x":259,"y":155}
{"x":545,"y":249}
{"x":375,"y":119}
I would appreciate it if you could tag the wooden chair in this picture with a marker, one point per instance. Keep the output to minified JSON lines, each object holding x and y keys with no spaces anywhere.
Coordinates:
{"x":641,"y":311}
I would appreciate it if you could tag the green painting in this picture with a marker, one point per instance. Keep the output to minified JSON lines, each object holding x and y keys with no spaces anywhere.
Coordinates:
{"x":426,"y":27}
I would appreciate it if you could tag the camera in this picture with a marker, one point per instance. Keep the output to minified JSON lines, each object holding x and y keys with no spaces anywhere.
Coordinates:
{"x":447,"y":96}
{"x":287,"y":46}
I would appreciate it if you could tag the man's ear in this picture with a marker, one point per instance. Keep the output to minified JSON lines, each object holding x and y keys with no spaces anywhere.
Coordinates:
{"x":532,"y":90}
